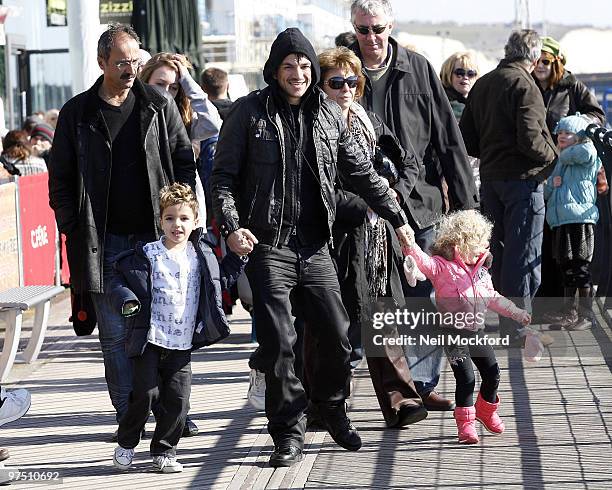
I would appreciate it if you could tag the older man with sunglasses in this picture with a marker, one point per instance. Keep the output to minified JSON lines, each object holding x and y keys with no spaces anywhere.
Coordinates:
{"x":403,"y":89}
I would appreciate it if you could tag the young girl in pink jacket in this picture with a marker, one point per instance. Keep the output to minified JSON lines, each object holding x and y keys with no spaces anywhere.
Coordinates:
{"x":458,"y":270}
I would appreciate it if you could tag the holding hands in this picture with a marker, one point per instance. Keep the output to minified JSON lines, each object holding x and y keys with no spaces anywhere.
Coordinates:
{"x":405,"y":235}
{"x":241,"y":241}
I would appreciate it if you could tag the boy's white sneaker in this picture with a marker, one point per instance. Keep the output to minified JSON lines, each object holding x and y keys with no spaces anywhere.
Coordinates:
{"x":167,"y":464}
{"x":257,"y":389}
{"x":123,"y":457}
{"x":15,"y":405}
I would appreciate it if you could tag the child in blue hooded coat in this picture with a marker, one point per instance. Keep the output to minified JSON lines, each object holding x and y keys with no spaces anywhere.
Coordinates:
{"x":571,"y":212}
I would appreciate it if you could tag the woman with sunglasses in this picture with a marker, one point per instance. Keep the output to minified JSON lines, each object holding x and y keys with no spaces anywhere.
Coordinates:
{"x":367,"y":254}
{"x":564,"y":95}
{"x":458,"y":74}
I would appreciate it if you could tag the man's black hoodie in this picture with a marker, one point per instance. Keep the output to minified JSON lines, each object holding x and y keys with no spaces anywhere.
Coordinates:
{"x":290,"y":41}
{"x":304,"y":216}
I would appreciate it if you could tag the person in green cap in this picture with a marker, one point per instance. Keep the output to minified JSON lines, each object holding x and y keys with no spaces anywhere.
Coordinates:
{"x":564,"y":95}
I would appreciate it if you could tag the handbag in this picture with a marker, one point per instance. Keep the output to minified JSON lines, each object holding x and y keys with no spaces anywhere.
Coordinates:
{"x":9,"y":166}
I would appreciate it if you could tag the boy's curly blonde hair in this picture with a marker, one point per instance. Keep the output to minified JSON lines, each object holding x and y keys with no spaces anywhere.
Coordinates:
{"x":177,"y":194}
{"x":464,"y":230}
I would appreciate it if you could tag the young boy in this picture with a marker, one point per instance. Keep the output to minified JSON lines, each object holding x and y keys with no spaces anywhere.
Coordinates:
{"x":171,"y":291}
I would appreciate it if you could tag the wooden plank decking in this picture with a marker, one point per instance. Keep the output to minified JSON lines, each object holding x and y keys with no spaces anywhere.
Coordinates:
{"x":558,"y":416}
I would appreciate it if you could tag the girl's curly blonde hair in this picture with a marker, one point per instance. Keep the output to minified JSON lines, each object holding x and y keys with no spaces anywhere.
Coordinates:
{"x":463,"y":230}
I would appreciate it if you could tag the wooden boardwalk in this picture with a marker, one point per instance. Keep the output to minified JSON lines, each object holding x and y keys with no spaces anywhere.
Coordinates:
{"x":558,"y":416}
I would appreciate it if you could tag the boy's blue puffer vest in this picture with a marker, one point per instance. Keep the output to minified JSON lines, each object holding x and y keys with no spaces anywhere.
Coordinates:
{"x":575,"y":200}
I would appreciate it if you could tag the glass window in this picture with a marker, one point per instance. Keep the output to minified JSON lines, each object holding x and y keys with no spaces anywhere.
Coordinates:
{"x":50,"y":84}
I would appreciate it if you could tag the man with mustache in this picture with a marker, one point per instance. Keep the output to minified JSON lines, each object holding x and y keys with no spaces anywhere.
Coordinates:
{"x":276,"y":162}
{"x":116,"y":145}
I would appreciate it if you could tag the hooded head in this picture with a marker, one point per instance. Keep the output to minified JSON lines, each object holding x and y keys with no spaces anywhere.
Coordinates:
{"x":576,"y":124}
{"x":291,"y":41}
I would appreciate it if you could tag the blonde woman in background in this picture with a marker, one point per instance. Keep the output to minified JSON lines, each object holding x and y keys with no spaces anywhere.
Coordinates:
{"x":458,"y":74}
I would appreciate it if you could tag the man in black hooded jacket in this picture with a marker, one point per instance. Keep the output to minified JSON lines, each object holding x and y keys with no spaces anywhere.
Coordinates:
{"x":273,"y":195}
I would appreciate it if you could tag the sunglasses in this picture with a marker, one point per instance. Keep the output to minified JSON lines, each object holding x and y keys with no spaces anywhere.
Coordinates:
{"x":338,"y":82}
{"x":545,"y":61}
{"x":377,"y":29}
{"x":460,"y":72}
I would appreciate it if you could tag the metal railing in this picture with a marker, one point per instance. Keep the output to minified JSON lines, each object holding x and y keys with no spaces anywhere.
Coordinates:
{"x":601,"y":267}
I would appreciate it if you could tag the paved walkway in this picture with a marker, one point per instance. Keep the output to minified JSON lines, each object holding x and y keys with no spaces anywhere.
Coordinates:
{"x":558,"y":416}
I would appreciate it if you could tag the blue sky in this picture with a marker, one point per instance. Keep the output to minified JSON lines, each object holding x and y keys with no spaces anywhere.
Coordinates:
{"x":591,"y":12}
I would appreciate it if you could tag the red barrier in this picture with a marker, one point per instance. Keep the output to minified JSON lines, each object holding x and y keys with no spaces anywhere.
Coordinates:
{"x":37,"y":230}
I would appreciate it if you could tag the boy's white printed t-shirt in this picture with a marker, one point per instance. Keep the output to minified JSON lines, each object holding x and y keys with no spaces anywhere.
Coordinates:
{"x":175,"y":292}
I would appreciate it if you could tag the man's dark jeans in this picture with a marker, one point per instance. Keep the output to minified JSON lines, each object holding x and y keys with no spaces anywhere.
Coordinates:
{"x":425,"y":361}
{"x":273,"y":273}
{"x":112,"y":327}
{"x":164,"y":376}
{"x":516,"y":208}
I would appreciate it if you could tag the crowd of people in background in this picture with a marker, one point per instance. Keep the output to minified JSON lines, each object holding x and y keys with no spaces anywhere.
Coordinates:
{"x":317,"y":185}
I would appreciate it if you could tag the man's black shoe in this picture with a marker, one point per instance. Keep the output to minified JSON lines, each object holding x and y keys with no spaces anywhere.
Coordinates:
{"x":313,"y":418}
{"x":285,"y":456}
{"x":340,"y":428}
{"x":408,"y":415}
{"x":190,"y":429}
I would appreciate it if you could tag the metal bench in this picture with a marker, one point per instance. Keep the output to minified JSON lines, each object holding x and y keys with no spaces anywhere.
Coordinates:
{"x":13,"y":302}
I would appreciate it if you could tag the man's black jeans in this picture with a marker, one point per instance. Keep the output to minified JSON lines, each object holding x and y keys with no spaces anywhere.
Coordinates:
{"x":162,"y":375}
{"x":273,"y":273}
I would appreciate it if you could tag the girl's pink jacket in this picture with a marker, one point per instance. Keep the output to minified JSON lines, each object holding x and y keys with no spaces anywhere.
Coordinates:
{"x":463,"y":288}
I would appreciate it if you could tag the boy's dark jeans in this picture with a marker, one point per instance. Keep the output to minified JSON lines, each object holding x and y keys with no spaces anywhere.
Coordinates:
{"x":164,"y":375}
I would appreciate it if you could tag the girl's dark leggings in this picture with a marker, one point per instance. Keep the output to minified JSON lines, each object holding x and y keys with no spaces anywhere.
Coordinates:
{"x":461,"y":359}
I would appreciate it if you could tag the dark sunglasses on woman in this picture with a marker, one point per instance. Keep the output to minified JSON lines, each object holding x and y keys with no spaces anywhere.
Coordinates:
{"x":377,"y":29}
{"x":460,"y":72}
{"x":338,"y":82}
{"x":545,"y":61}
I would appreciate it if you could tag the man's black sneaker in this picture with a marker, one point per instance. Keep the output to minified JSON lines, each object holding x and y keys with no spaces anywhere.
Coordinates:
{"x":190,"y":429}
{"x":285,"y":456}
{"x":339,"y":427}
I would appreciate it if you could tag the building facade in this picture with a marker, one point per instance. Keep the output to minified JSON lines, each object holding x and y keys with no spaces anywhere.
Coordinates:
{"x":237,"y":34}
